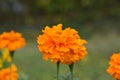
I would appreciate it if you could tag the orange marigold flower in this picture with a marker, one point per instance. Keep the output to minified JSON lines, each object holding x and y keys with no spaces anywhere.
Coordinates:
{"x":9,"y":73}
{"x":114,"y":68}
{"x":12,"y":40}
{"x":64,"y":46}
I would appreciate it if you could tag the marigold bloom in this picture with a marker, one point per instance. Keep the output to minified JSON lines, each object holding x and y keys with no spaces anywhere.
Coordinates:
{"x":64,"y":46}
{"x":12,"y":40}
{"x":9,"y":73}
{"x":114,"y":68}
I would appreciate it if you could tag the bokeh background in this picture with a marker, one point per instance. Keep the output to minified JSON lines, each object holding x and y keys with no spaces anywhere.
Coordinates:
{"x":97,"y":21}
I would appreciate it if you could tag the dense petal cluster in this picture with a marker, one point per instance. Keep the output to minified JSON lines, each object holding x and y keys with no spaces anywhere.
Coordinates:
{"x":12,"y":40}
{"x":114,"y":68}
{"x":64,"y":46}
{"x":9,"y":73}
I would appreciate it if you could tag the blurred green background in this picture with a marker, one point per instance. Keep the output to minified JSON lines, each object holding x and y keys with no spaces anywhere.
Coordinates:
{"x":97,"y":21}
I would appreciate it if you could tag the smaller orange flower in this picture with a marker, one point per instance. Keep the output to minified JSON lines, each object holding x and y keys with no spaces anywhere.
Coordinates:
{"x":12,"y":40}
{"x":9,"y":73}
{"x":114,"y":68}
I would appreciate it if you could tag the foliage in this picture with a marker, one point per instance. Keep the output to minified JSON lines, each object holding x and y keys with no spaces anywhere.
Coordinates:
{"x":23,"y":10}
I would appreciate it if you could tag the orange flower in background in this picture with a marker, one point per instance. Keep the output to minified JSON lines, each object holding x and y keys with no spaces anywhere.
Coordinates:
{"x":9,"y":73}
{"x":12,"y":40}
{"x":64,"y":46}
{"x":114,"y":68}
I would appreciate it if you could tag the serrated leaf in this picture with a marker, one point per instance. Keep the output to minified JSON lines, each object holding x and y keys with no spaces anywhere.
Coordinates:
{"x":76,"y":78}
{"x":23,"y":77}
{"x":61,"y":77}
{"x":68,"y":76}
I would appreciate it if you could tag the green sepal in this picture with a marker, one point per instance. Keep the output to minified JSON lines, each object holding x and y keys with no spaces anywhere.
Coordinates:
{"x":12,"y":54}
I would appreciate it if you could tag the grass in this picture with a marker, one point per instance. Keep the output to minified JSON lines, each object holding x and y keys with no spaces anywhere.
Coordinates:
{"x":93,"y":67}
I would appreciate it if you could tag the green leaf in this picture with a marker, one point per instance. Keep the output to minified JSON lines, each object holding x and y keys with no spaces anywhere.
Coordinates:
{"x":68,"y":76}
{"x":62,"y":77}
{"x":23,"y":77}
{"x":6,"y":64}
{"x":76,"y":79}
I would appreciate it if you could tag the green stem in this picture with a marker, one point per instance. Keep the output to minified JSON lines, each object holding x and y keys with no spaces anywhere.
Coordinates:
{"x":12,"y":53}
{"x":71,"y":69}
{"x":58,"y":63}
